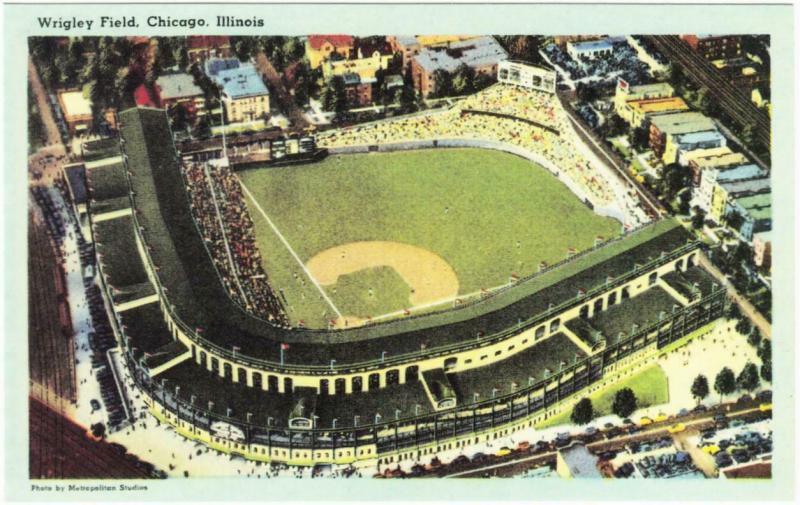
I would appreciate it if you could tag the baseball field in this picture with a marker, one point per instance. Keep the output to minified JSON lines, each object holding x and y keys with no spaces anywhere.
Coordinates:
{"x":374,"y":236}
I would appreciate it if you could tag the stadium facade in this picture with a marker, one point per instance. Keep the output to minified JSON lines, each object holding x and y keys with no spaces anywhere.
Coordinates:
{"x":388,"y":391}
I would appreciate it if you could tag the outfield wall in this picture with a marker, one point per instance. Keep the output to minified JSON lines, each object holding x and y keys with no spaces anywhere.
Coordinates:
{"x":612,"y":211}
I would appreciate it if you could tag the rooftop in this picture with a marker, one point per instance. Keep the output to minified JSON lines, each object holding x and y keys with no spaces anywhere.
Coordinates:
{"x":699,"y":137}
{"x":107,"y":182}
{"x":656,"y":105}
{"x":316,"y":41}
{"x":241,"y":82}
{"x":761,"y":185}
{"x":473,"y":52}
{"x":174,"y":86}
{"x":682,"y":122}
{"x":741,"y":172}
{"x":206,"y":41}
{"x":716,"y":157}
{"x":659,"y":88}
{"x":757,"y":207}
{"x":580,"y":462}
{"x":76,"y":178}
{"x":591,"y":45}
{"x":75,"y":105}
{"x":641,"y":310}
{"x":119,"y":258}
{"x":213,"y":66}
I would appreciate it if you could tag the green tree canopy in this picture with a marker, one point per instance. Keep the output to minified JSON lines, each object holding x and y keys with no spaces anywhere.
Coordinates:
{"x":582,"y":412}
{"x":725,"y":383}
{"x":748,"y":377}
{"x":624,"y":402}
{"x":699,"y":388}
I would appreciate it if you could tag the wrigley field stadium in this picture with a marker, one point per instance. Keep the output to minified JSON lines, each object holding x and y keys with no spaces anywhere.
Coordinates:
{"x":384,"y":291}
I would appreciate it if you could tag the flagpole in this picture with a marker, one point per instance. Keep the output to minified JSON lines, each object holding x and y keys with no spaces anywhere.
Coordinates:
{"x":281,"y":355}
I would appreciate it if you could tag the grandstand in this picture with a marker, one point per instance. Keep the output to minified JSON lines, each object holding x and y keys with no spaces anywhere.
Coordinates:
{"x":247,"y":384}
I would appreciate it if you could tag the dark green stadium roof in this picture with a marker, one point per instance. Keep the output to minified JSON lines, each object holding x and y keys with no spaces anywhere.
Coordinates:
{"x":145,"y":327}
{"x":98,"y":149}
{"x":107,"y":182}
{"x":641,"y":310}
{"x":199,"y":298}
{"x":532,"y":362}
{"x":116,"y":245}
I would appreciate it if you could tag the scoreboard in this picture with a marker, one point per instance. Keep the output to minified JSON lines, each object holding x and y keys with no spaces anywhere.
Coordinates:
{"x":527,"y":75}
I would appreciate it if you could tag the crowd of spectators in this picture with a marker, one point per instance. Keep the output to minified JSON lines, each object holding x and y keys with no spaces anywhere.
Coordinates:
{"x":519,"y":107}
{"x":218,"y":207}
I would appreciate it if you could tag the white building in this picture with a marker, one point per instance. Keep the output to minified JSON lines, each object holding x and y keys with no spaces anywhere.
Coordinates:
{"x":527,"y":75}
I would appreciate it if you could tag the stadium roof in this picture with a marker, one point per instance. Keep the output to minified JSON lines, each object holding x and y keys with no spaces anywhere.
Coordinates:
{"x":682,"y":122}
{"x":76,"y":178}
{"x":473,"y":52}
{"x":241,"y":82}
{"x":201,"y":302}
{"x":172,"y":86}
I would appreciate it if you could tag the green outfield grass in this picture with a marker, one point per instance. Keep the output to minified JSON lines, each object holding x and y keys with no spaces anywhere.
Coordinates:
{"x":488,"y":214}
{"x":650,"y":386}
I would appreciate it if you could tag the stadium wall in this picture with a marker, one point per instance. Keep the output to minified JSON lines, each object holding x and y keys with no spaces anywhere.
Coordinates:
{"x":603,"y":210}
{"x":390,"y":442}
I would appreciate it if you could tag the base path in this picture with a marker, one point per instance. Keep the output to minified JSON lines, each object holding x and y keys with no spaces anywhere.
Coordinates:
{"x":429,"y":276}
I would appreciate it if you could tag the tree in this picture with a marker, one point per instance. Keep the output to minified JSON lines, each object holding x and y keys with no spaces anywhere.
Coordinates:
{"x":443,"y":83}
{"x":582,"y":412}
{"x":733,"y":311}
{"x":734,"y":221}
{"x":98,"y":430}
{"x":698,"y":218}
{"x":684,"y":205}
{"x":699,"y":388}
{"x":765,"y":351}
{"x":334,"y":97}
{"x":744,"y":326}
{"x":180,"y":117}
{"x":766,"y":371}
{"x":638,"y":138}
{"x":754,"y":338}
{"x":725,"y":383}
{"x":463,"y":80}
{"x":624,"y":402}
{"x":748,"y":377}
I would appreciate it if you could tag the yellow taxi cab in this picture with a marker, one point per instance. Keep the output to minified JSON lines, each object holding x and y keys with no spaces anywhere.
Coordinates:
{"x":503,"y":451}
{"x":645,"y":421}
{"x":711,"y":449}
{"x":676,"y":428}
{"x":661,"y":417}
{"x":764,"y":407}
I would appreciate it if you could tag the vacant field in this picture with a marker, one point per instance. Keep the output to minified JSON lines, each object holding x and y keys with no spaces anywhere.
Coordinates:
{"x":650,"y":386}
{"x":487,"y":214}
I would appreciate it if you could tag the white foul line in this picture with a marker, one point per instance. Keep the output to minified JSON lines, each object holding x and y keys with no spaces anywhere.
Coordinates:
{"x":289,"y":247}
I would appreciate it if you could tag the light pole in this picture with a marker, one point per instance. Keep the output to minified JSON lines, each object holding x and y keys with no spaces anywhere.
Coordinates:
{"x":475,"y":396}
{"x":333,"y":362}
{"x":269,"y":422}
{"x":314,"y":421}
{"x":355,"y":420}
{"x":397,"y":414}
{"x":417,"y":407}
{"x":494,"y":392}
{"x":383,"y":356}
{"x":334,"y":423}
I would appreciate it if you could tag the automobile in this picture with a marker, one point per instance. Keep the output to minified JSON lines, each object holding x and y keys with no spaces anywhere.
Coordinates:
{"x":730,"y":450}
{"x":459,"y":460}
{"x":627,"y":421}
{"x":608,"y":455}
{"x":562,"y":439}
{"x":677,"y":428}
{"x":744,"y":398}
{"x":711,"y":449}
{"x":503,"y":451}
{"x":591,"y":431}
{"x":645,"y":421}
{"x":723,"y":459}
{"x":736,"y":423}
{"x":660,"y":417}
{"x":719,"y":418}
{"x":94,"y":404}
{"x":479,"y":457}
{"x":724,"y":444}
{"x":542,"y":446}
{"x":683,"y":412}
{"x":523,"y":446}
{"x":634,"y":429}
{"x":608,"y":426}
{"x":764,"y":396}
{"x":708,"y":434}
{"x":699,"y":409}
{"x":740,"y":456}
{"x":765,"y":407}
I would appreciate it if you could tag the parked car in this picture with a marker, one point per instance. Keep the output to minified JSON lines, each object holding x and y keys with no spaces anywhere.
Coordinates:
{"x":744,"y":398}
{"x":765,"y":407}
{"x":645,"y":421}
{"x":699,"y":409}
{"x":736,"y":423}
{"x":94,"y":404}
{"x":764,"y":396}
{"x":723,"y":459}
{"x":503,"y":451}
{"x":661,"y":417}
{"x":677,"y":428}
{"x":711,"y":449}
{"x":683,"y":412}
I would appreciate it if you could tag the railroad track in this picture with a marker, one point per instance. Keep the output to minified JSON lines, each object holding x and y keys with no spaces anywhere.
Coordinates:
{"x":735,"y":103}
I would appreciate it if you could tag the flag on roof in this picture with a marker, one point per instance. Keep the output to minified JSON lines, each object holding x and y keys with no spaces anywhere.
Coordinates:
{"x":284,"y":346}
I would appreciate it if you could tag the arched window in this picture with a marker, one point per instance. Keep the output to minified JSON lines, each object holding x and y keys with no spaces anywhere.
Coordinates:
{"x":374,"y":381}
{"x":598,"y":305}
{"x":392,"y":377}
{"x":257,"y":383}
{"x":339,"y":386}
{"x":652,"y":278}
{"x":272,"y":383}
{"x":323,"y":386}
{"x":241,"y":375}
{"x":358,"y":384}
{"x":412,"y":373}
{"x":227,"y":370}
{"x":287,"y":385}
